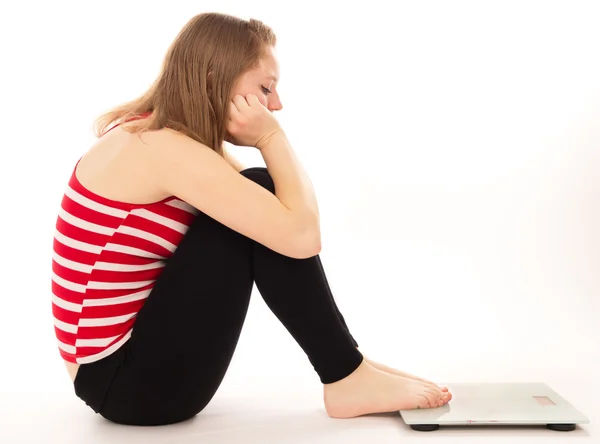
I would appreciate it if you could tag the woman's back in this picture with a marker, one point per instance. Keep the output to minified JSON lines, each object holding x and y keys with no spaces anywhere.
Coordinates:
{"x":114,"y":234}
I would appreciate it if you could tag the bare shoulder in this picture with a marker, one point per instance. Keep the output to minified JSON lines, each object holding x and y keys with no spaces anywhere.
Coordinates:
{"x":159,"y":139}
{"x":169,"y":150}
{"x":168,"y":145}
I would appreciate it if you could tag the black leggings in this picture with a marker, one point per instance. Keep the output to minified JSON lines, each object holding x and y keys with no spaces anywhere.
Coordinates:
{"x":186,"y":332}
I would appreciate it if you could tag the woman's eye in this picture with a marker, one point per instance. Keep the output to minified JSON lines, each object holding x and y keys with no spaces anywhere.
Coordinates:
{"x":266,"y":90}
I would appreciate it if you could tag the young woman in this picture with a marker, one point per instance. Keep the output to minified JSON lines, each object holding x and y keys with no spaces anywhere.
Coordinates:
{"x":161,"y":235}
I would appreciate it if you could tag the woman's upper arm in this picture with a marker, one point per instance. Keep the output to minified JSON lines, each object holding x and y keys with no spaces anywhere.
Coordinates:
{"x":199,"y":176}
{"x":235,"y":163}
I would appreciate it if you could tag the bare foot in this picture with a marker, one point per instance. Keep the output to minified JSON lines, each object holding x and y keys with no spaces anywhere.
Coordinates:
{"x":370,"y":390}
{"x":393,"y":371}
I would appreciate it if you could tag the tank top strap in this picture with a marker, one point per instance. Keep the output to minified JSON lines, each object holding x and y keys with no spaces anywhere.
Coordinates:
{"x":138,"y":117}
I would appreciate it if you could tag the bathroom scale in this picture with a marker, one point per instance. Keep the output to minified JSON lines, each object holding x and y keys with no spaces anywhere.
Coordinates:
{"x":480,"y":404}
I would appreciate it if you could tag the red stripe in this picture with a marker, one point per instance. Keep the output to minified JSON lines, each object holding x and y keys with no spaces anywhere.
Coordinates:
{"x":73,"y":254}
{"x":109,"y":311}
{"x":154,"y":228}
{"x":67,"y":295}
{"x":107,"y":331}
{"x":64,"y":337}
{"x":126,"y":276}
{"x":89,"y":215}
{"x":66,"y":356}
{"x":116,"y":257}
{"x":181,"y":216}
{"x":86,"y":351}
{"x":141,"y":244}
{"x":69,"y":317}
{"x":81,"y":235}
{"x":173,"y":213}
{"x":113,"y":293}
{"x":77,"y":277}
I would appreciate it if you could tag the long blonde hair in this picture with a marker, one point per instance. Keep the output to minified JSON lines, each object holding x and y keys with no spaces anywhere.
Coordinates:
{"x":185,"y":97}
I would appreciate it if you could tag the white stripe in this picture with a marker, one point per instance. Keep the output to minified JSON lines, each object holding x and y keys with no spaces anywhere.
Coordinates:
{"x":132,"y":251}
{"x":104,"y":353}
{"x":99,"y":342}
{"x":82,"y":200}
{"x":170,"y":223}
{"x":103,"y":322}
{"x":79,"y":288}
{"x":147,"y":236}
{"x":95,"y":285}
{"x":108,"y":266}
{"x":78,"y":245}
{"x":118,"y":300}
{"x":177,"y":203}
{"x":84,"y":225}
{"x":70,"y":306}
{"x":69,"y":328}
{"x":66,"y":348}
{"x":72,"y":265}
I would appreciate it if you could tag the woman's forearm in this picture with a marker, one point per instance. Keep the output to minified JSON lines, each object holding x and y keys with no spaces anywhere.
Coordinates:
{"x":292,"y":185}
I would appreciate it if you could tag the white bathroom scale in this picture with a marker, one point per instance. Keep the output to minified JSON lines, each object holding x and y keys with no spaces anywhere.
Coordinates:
{"x":480,"y":404}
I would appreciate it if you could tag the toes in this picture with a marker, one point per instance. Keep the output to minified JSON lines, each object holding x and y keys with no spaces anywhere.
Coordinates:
{"x":440,"y":398}
{"x":446,"y":397}
{"x":435,"y":389}
{"x":432,"y":397}
{"x":423,"y":402}
{"x":432,"y":384}
{"x":442,"y":388}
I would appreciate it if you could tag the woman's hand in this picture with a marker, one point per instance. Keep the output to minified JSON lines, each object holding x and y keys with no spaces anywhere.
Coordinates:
{"x":250,"y":123}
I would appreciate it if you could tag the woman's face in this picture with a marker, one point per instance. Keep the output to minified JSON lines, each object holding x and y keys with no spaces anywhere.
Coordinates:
{"x":262,"y":82}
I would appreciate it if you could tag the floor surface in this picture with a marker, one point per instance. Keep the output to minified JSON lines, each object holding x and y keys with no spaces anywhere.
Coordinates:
{"x":288,"y":418}
{"x":457,"y":326}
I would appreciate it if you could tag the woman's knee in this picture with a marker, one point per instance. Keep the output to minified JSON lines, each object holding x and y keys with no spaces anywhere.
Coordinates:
{"x":261,"y":176}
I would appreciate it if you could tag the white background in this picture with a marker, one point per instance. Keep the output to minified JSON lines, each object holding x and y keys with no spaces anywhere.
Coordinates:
{"x":455,"y":152}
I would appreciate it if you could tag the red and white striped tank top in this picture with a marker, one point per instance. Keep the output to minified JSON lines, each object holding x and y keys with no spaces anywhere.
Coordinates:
{"x":107,"y":256}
